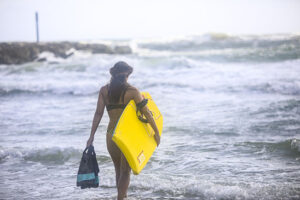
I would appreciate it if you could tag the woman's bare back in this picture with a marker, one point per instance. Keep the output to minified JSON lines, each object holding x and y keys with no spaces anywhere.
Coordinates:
{"x":130,"y":93}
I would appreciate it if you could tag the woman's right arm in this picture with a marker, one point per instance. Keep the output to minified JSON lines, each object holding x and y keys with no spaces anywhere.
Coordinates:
{"x":137,"y":99}
{"x":97,"y":117}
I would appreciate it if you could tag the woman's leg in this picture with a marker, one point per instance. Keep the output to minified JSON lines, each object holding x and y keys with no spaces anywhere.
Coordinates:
{"x":124,"y":178}
{"x":115,"y":155}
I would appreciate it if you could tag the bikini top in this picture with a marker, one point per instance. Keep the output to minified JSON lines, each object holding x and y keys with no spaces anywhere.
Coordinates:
{"x":139,"y":106}
{"x":117,"y":106}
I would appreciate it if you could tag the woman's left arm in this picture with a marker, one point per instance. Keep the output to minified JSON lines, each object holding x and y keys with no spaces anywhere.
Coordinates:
{"x":97,"y":117}
{"x":138,"y":98}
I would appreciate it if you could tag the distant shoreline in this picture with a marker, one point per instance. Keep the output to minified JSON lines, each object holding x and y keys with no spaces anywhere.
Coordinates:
{"x":23,"y":52}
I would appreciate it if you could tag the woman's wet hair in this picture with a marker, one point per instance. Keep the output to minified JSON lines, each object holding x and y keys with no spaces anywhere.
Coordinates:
{"x":119,"y":73}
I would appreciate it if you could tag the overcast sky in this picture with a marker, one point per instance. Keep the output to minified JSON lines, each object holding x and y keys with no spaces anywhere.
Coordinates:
{"x":122,"y":19}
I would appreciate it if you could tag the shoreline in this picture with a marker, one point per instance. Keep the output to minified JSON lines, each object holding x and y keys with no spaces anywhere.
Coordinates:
{"x":23,"y":52}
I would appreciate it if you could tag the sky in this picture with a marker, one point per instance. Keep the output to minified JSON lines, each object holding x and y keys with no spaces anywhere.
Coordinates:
{"x":127,"y":19}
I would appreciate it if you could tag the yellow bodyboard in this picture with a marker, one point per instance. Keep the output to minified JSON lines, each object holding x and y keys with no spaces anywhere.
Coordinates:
{"x":135,"y":138}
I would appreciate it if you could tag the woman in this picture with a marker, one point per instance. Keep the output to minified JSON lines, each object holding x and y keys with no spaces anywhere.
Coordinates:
{"x":115,"y":96}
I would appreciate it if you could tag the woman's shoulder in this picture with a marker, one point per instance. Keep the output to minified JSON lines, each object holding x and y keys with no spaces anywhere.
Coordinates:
{"x":104,"y":89}
{"x":131,"y":88}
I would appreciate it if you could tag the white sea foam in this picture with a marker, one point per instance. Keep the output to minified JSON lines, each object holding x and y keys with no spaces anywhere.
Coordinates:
{"x":295,"y":144}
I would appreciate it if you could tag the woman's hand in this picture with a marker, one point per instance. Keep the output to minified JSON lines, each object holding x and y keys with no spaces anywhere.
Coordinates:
{"x":90,"y":141}
{"x":157,"y":138}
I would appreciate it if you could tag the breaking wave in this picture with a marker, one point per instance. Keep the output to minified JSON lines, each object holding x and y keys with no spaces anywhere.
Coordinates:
{"x":223,"y":47}
{"x":66,"y":91}
{"x":52,"y":155}
{"x":287,"y":148}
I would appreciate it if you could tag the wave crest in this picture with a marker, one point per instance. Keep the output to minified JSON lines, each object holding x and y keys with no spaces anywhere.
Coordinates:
{"x":54,"y":155}
{"x":56,"y":91}
{"x":47,"y":156}
{"x":220,"y":47}
{"x":288,"y":148}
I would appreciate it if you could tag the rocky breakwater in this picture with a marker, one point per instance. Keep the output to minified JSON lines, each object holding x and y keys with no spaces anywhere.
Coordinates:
{"x":22,"y":52}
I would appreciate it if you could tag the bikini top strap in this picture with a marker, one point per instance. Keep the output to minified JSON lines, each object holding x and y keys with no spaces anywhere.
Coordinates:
{"x":124,"y":91}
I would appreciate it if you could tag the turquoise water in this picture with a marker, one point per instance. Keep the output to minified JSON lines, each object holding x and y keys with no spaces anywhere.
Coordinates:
{"x":231,"y":109}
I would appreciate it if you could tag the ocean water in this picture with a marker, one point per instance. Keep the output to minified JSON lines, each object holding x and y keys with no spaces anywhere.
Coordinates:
{"x":231,"y":107}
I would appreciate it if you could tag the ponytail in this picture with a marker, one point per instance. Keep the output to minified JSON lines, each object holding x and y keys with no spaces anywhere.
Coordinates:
{"x":116,"y":87}
{"x":120,"y":71}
